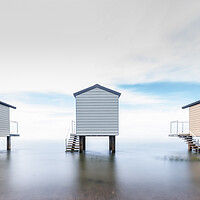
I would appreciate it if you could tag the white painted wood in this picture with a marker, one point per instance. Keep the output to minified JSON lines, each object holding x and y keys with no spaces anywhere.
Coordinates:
{"x":4,"y":121}
{"x":97,"y":113}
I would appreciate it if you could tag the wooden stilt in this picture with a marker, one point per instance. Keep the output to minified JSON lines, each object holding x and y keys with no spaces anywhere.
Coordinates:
{"x":82,"y":143}
{"x":113,"y":144}
{"x":110,"y":143}
{"x":189,"y":148}
{"x":8,"y":143}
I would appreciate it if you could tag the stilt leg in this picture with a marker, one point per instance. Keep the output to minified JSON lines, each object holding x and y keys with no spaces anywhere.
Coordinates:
{"x":82,"y":143}
{"x":113,"y":144}
{"x":110,"y":143}
{"x":189,"y":148}
{"x":8,"y":143}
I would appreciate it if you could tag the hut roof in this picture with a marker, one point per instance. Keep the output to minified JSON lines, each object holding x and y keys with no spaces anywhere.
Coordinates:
{"x":191,"y":104}
{"x":8,"y":105}
{"x":96,"y":86}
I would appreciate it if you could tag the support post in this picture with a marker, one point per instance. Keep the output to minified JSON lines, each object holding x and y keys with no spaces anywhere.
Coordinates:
{"x":189,"y":148}
{"x":8,"y":143}
{"x":112,"y":144}
{"x":82,"y":143}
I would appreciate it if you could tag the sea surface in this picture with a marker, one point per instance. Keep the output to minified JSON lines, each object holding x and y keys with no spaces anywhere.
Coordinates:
{"x":138,"y":170}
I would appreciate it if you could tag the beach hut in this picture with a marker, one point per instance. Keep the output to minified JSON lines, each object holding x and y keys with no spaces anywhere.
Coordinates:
{"x":194,"y":118}
{"x":190,"y":134}
{"x":5,"y":124}
{"x":97,"y":114}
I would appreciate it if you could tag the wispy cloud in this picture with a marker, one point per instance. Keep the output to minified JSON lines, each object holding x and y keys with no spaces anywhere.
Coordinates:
{"x":69,"y":46}
{"x":148,"y":50}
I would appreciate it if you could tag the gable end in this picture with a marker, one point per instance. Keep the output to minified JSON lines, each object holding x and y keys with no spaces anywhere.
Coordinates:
{"x":96,"y":86}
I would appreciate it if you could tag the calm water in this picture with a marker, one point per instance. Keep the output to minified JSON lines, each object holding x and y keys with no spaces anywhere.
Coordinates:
{"x":42,"y":170}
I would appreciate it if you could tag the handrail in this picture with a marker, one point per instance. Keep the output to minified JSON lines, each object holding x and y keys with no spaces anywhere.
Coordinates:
{"x":179,"y":127}
{"x":71,"y":130}
{"x":195,"y":137}
{"x":13,"y":127}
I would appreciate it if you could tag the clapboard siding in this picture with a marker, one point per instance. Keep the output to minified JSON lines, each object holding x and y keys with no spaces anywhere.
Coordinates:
{"x":194,"y":116}
{"x":4,"y":121}
{"x":97,"y":113}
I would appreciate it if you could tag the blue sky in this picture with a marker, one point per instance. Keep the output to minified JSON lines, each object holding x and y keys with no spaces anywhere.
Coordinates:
{"x":184,"y":92}
{"x":172,"y":91}
{"x":147,"y":50}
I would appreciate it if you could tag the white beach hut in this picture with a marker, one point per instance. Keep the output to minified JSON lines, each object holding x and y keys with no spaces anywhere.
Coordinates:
{"x":5,"y":124}
{"x":97,"y":114}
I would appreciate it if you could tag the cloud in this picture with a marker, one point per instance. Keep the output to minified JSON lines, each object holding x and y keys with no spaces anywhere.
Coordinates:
{"x":49,"y":50}
{"x":151,"y":124}
{"x":142,"y":107}
{"x":66,"y":46}
{"x":40,"y":121}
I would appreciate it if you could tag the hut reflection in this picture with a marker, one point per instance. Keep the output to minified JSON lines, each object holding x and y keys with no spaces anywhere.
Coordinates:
{"x":194,"y":165}
{"x":97,"y":176}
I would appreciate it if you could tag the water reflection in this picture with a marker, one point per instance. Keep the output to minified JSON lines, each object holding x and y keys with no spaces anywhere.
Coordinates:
{"x":45,"y":171}
{"x":97,"y":176}
{"x":194,"y":172}
{"x":5,"y":155}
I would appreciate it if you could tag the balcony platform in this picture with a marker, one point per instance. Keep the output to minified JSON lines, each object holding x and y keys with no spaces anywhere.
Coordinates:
{"x":13,"y":135}
{"x":178,"y":134}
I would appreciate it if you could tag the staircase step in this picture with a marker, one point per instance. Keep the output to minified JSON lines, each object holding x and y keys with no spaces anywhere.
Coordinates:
{"x":73,"y":143}
{"x":73,"y":138}
{"x":72,"y":151}
{"x":72,"y":147}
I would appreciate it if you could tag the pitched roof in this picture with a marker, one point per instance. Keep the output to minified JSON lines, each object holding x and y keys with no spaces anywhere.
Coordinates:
{"x":191,"y":104}
{"x":8,"y":105}
{"x":96,"y":86}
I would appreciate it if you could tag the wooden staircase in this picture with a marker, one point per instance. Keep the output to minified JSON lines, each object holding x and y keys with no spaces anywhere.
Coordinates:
{"x":72,"y":143}
{"x":193,"y":144}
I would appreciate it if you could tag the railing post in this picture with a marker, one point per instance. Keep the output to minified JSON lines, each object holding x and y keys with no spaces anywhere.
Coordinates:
{"x":182,"y":127}
{"x":17,"y":127}
{"x":177,"y":127}
{"x":170,"y":127}
{"x":72,"y":126}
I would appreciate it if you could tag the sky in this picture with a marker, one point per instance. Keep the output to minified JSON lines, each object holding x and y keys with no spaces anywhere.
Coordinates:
{"x":146,"y":49}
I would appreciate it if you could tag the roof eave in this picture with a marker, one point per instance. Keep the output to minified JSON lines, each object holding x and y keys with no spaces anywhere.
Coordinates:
{"x":96,"y":86}
{"x":8,"y":105}
{"x":191,"y":104}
